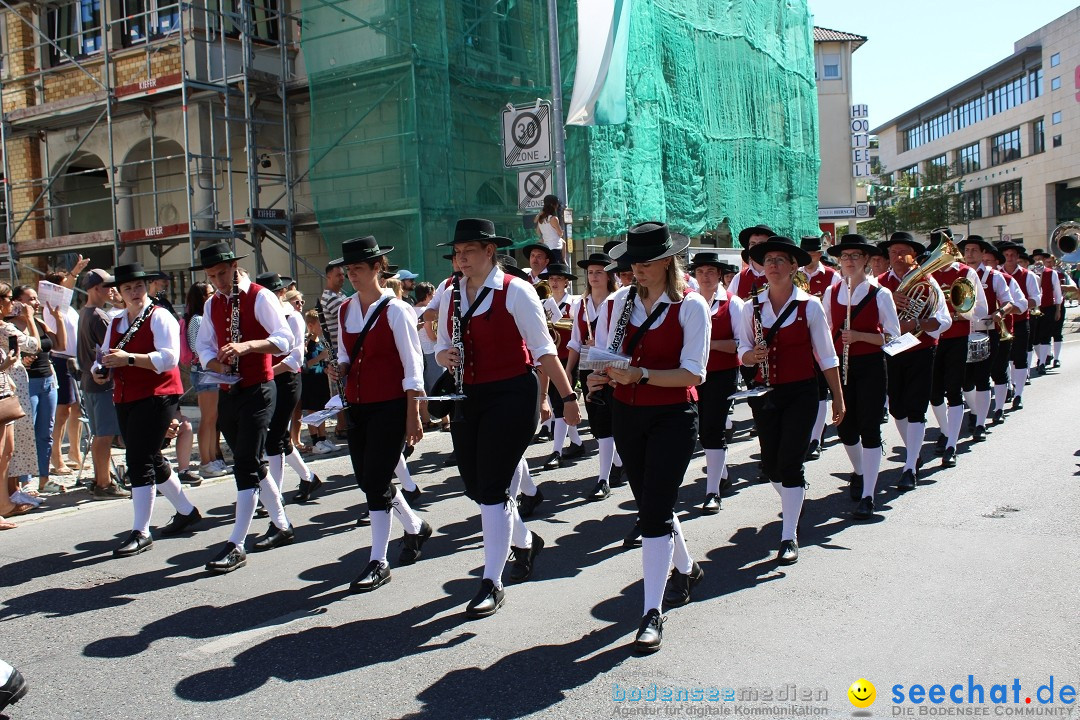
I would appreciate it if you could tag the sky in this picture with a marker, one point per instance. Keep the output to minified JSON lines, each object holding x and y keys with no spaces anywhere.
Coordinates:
{"x":919,"y":48}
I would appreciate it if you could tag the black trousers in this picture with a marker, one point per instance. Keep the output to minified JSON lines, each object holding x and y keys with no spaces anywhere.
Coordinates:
{"x":950,"y":364}
{"x":910,"y":376}
{"x":376,"y":433}
{"x":864,"y":397}
{"x":785,"y":420}
{"x":977,"y":374}
{"x":599,"y":412}
{"x":1021,"y":344}
{"x":999,"y":359}
{"x":494,"y":429}
{"x":143,"y":424}
{"x":243,"y":417}
{"x":1059,"y":326}
{"x":714,"y":407}
{"x":278,"y":441}
{"x":655,"y":442}
{"x":1047,"y":325}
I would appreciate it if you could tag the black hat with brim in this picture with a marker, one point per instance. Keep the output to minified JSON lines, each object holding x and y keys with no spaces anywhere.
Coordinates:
{"x":852,"y":242}
{"x":1025,"y":257}
{"x":128,"y":273}
{"x":745,"y":255}
{"x":609,"y":245}
{"x":943,"y":233}
{"x":726,"y":268}
{"x":996,"y":252}
{"x":810,"y":243}
{"x":559,"y":270}
{"x":975,"y":240}
{"x":779,"y":244}
{"x":358,"y":250}
{"x":646,"y":242}
{"x":215,"y":254}
{"x":1034,"y":253}
{"x":527,"y":249}
{"x":745,"y":233}
{"x":477,"y":230}
{"x":1010,"y":245}
{"x":903,"y":238}
{"x":509,"y":265}
{"x":602,"y":259}
{"x":706,"y":259}
{"x":271,"y":281}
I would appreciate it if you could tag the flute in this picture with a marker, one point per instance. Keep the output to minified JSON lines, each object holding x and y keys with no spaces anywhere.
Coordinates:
{"x":847,"y":328}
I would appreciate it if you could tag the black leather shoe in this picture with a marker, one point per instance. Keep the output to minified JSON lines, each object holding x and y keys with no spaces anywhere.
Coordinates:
{"x":979,"y":433}
{"x":364,"y":519}
{"x":487,"y":602}
{"x":618,"y":476}
{"x":729,"y":434}
{"x":633,"y":538}
{"x":1017,"y":403}
{"x":855,"y":485}
{"x":136,"y":543}
{"x":180,"y":523}
{"x":948,"y":458}
{"x":230,"y":558}
{"x":522,"y":568}
{"x":725,"y":484}
{"x":650,"y":634}
{"x":679,"y":585}
{"x":527,"y":503}
{"x":543,"y":436}
{"x":375,"y":575}
{"x":412,"y":495}
{"x":814,"y":451}
{"x":601,"y":492}
{"x":274,"y":537}
{"x":998,"y":417}
{"x":553,"y":462}
{"x":1056,"y":364}
{"x":907,"y":481}
{"x":573,"y":450}
{"x":789,"y":552}
{"x":307,"y":489}
{"x":711,"y":506}
{"x":412,"y":542}
{"x":13,"y":690}
{"x":260,"y":513}
{"x":865,"y":511}
{"x":939,"y":445}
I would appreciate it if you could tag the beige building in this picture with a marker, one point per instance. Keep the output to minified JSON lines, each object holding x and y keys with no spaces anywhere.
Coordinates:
{"x":841,"y":126}
{"x":1013,"y":134}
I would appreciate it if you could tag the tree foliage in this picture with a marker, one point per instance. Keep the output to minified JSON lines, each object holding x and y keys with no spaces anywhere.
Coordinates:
{"x":919,"y":203}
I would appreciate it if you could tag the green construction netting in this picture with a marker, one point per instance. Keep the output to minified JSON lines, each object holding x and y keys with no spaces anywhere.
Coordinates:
{"x":406,"y":97}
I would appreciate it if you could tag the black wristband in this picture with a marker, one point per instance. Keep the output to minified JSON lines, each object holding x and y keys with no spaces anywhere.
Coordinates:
{"x":572,"y":397}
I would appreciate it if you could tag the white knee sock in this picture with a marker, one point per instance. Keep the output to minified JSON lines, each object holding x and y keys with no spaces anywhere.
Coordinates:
{"x":496,"y":521}
{"x":174,"y":493}
{"x":901,"y":427}
{"x":969,"y":400}
{"x":296,"y":462}
{"x":1018,"y":378}
{"x":778,"y":488}
{"x":982,"y":407}
{"x":680,"y":557}
{"x":572,"y":433}
{"x":409,"y":519}
{"x":276,"y":469}
{"x":1042,"y":351}
{"x":271,"y":500}
{"x":955,"y":419}
{"x":791,"y":500}
{"x":941,"y":415}
{"x":1057,"y":350}
{"x":1029,"y":354}
{"x":854,"y":453}
{"x":403,"y":475}
{"x":1000,"y":393}
{"x":729,"y":423}
{"x":246,"y":500}
{"x":381,"y":523}
{"x":559,"y":435}
{"x":520,"y":537}
{"x":871,"y":464}
{"x":143,"y":500}
{"x":656,"y":553}
{"x":522,"y":480}
{"x":716,"y":462}
{"x":607,"y":454}
{"x":618,"y":458}
{"x":819,"y":421}
{"x":913,"y":441}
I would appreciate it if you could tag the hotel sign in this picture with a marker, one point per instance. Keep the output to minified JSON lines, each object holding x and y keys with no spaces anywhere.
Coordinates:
{"x":860,"y":141}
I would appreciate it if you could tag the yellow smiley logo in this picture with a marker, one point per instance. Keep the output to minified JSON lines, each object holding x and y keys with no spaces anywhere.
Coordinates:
{"x":862,"y":693}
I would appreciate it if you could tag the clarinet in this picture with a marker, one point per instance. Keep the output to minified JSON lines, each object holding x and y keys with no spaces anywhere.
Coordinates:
{"x":457,"y":342}
{"x":617,"y":337}
{"x":331,"y":348}
{"x":234,"y":331}
{"x":759,"y":336}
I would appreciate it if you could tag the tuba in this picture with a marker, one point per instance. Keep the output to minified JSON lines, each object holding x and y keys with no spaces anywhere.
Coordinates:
{"x":1065,"y":239}
{"x":801,"y":280}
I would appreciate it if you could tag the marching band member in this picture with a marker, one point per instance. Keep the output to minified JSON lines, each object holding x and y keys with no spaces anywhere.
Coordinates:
{"x":783,"y":332}
{"x":665,"y":333}
{"x":861,"y":321}
{"x":751,"y":278}
{"x":1052,"y":307}
{"x":585,"y":315}
{"x":243,"y":326}
{"x":503,"y":329}
{"x":558,"y":277}
{"x":380,"y":358}
{"x":539,"y":256}
{"x":143,"y":349}
{"x":999,"y":359}
{"x":1022,"y":326}
{"x":950,"y":361}
{"x":820,"y":278}
{"x":721,"y":373}
{"x":1066,"y":281}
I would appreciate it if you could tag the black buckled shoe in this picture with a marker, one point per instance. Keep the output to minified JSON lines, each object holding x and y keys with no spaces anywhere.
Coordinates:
{"x":865,"y":510}
{"x":855,"y":485}
{"x":789,"y":552}
{"x":231,"y":557}
{"x":971,"y":421}
{"x":711,"y":506}
{"x":527,"y":503}
{"x":487,"y":601}
{"x":136,"y":543}
{"x":573,"y":450}
{"x":907,"y":481}
{"x":814,"y":451}
{"x":619,"y":476}
{"x":650,"y":634}
{"x":307,"y":489}
{"x":522,"y":568}
{"x":998,"y":417}
{"x":375,"y":575}
{"x":979,"y":433}
{"x":679,"y":586}
{"x":543,"y":436}
{"x":412,"y":495}
{"x":261,"y":513}
{"x":274,"y":537}
{"x":13,"y":690}
{"x":601,"y":492}
{"x":1056,"y":364}
{"x":180,"y":523}
{"x":948,"y":458}
{"x":364,"y":518}
{"x":633,"y":538}
{"x":553,"y":462}
{"x":939,"y":444}
{"x":1017,"y":403}
{"x":412,"y":542}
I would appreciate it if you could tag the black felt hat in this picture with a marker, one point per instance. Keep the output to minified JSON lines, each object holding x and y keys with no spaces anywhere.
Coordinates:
{"x":477,"y":230}
{"x":646,"y":242}
{"x":215,"y":254}
{"x":706,"y":259}
{"x":852,"y":241}
{"x":903,"y":238}
{"x":509,"y":265}
{"x":560,"y":270}
{"x":602,"y":259}
{"x":810,"y":243}
{"x":128,"y":273}
{"x":760,"y":229}
{"x":779,"y":244}
{"x":360,"y":250}
{"x":976,"y":240}
{"x":271,"y":281}
{"x":1034,"y":253}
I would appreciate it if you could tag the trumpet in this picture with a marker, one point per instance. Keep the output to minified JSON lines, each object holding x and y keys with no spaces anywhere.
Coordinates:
{"x":1004,"y":334}
{"x":554,"y":328}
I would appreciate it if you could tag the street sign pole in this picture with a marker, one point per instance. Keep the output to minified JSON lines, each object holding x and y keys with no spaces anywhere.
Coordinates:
{"x":557,"y":128}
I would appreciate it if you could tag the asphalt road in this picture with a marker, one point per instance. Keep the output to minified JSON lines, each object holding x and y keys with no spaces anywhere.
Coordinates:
{"x":976,"y":572}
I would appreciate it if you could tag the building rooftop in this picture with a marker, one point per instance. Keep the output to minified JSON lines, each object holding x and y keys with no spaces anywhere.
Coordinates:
{"x":822,"y":34}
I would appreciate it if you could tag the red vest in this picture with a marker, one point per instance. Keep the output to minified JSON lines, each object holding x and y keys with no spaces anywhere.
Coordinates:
{"x":821,"y":282}
{"x":868,"y":321}
{"x":494,"y":349}
{"x":722,"y":330}
{"x":749,"y":283}
{"x":989,"y":290}
{"x":375,"y":374}
{"x":135,"y":383}
{"x":1020,"y":274}
{"x":659,"y":349}
{"x":889,"y":280}
{"x":946,"y":277}
{"x":564,"y":334}
{"x":791,"y":353}
{"x":1046,"y":284}
{"x":582,"y":320}
{"x":255,"y":368}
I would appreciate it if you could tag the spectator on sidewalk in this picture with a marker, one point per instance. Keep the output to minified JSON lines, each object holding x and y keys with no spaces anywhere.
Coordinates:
{"x":331,"y":300}
{"x":211,"y":464}
{"x":314,"y":385}
{"x":19,"y":320}
{"x":158,"y":290}
{"x":68,"y":416}
{"x":408,"y":285}
{"x":9,"y":359}
{"x":43,"y":393}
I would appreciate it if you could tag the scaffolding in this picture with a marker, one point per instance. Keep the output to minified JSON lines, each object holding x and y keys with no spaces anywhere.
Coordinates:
{"x":128,"y":132}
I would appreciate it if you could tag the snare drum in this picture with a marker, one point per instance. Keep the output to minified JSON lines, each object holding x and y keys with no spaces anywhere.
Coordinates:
{"x":978,"y":348}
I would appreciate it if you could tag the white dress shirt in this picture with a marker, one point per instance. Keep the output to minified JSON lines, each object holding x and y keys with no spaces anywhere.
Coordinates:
{"x":268,"y":311}
{"x":591,"y":312}
{"x":885,"y":305}
{"x":402,"y":321}
{"x":70,"y":317}
{"x":295,"y":359}
{"x":820,"y":336}
{"x":733,"y":288}
{"x":166,"y":329}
